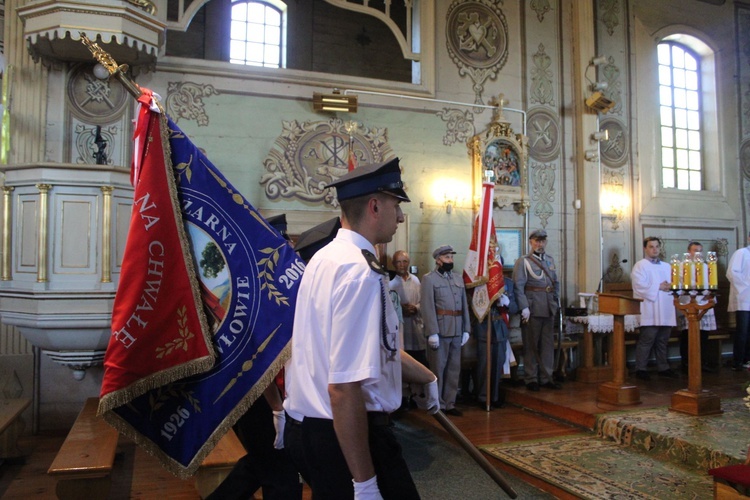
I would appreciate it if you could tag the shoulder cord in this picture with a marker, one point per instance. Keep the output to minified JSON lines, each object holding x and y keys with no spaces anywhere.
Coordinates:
{"x":383,"y":329}
{"x":529,"y":270}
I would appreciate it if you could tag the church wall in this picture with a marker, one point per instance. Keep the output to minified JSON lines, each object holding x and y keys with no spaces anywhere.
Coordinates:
{"x":240,"y":115}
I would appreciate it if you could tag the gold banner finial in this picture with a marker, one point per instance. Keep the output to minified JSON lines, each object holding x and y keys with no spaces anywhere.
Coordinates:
{"x":109,"y":63}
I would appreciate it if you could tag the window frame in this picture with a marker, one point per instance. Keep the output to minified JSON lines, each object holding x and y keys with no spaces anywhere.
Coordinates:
{"x":675,"y":168}
{"x":280,"y":8}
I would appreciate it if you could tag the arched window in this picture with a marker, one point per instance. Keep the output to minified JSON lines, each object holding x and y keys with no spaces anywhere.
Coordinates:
{"x":257,"y":34}
{"x":680,"y":113}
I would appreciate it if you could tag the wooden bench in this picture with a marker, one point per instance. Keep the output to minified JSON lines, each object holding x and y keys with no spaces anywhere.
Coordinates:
{"x":218,"y":464}
{"x":83,"y":464}
{"x":11,"y":426}
{"x":731,"y":482}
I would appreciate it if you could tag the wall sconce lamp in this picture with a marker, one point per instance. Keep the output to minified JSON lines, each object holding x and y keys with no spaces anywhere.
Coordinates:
{"x":598,"y":102}
{"x":335,"y":101}
{"x":448,"y":204}
{"x":613,"y":203}
{"x":599,"y":86}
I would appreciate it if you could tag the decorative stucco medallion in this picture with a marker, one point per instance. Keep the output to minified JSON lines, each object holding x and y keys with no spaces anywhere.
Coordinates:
{"x":87,"y":144}
{"x":309,"y":155}
{"x":94,"y":99}
{"x":477,"y":40}
{"x":543,"y":130}
{"x":459,"y":125}
{"x":614,"y":151}
{"x":185,"y":100}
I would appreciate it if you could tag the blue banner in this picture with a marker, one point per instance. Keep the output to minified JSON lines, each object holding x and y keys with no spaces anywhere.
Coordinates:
{"x":249,"y":277}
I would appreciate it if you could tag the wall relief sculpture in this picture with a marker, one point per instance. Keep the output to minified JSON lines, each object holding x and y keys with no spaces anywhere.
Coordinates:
{"x":541,"y":78}
{"x":544,"y":134}
{"x":610,"y":14}
{"x":185,"y":100}
{"x":309,"y":155}
{"x":543,"y":191}
{"x":477,"y":40}
{"x":541,"y":7}
{"x":459,"y":125}
{"x":614,"y":151}
{"x":91,"y":145}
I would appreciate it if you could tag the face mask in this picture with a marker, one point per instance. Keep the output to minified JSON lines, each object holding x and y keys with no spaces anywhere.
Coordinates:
{"x":446,"y":266}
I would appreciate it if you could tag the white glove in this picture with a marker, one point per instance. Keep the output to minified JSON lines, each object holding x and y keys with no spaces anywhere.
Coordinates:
{"x":525,"y":314}
{"x":279,"y":421}
{"x":367,"y":490}
{"x":433,"y":341}
{"x":464,"y":338}
{"x":426,"y":396}
{"x":504,"y":300}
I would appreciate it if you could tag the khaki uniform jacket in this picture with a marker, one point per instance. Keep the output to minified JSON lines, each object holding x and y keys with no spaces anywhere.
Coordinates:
{"x":447,"y":293}
{"x":540,"y":303}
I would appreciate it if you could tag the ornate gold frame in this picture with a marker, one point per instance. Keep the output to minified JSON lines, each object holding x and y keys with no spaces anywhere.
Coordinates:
{"x":500,"y":150}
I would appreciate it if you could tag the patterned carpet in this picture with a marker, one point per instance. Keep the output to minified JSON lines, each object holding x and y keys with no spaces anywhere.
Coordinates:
{"x":643,"y":454}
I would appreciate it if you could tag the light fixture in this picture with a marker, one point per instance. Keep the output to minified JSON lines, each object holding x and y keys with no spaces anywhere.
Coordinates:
{"x":598,"y":102}
{"x":596,"y":61}
{"x":598,"y":86}
{"x":591,"y":155}
{"x":613,"y":203}
{"x":335,"y":101}
{"x":602,"y":135}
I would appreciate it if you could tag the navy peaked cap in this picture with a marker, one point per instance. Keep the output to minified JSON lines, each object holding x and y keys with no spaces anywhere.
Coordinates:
{"x":369,"y":179}
{"x":317,"y":237}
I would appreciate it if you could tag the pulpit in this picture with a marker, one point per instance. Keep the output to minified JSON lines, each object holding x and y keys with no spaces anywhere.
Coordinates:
{"x":616,"y":392}
{"x":694,"y":400}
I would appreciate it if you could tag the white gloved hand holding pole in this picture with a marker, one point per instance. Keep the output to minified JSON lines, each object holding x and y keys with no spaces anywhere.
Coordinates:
{"x":279,"y":421}
{"x":433,"y":341}
{"x":525,"y":314}
{"x":504,"y":300}
{"x":464,"y":338}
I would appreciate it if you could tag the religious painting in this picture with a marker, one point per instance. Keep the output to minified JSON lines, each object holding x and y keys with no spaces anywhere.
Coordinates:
{"x":499,"y":155}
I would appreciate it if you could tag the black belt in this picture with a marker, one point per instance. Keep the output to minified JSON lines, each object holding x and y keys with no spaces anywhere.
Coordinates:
{"x":548,"y":289}
{"x":293,"y":421}
{"x":374,"y":418}
{"x":378,"y":418}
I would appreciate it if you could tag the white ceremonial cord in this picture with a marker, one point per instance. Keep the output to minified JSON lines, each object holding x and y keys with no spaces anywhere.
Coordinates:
{"x":531,"y":271}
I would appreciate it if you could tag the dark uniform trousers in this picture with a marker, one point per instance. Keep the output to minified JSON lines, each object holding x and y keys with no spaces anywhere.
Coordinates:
{"x":330,"y":478}
{"x":264,"y":466}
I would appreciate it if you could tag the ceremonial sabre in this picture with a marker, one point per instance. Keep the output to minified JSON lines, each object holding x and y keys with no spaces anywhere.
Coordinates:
{"x":475,"y":453}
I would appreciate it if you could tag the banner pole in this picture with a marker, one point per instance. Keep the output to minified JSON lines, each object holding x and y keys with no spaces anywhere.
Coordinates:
{"x":489,"y":357}
{"x":475,"y":453}
{"x":108,"y":62}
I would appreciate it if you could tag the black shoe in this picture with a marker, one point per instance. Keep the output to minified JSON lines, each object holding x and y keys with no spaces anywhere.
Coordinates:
{"x":498,"y":404}
{"x":684,"y":368}
{"x":533,"y":386}
{"x":552,"y":385}
{"x":642,"y":375}
{"x":669,"y":373}
{"x":454,"y":412}
{"x":708,"y":369}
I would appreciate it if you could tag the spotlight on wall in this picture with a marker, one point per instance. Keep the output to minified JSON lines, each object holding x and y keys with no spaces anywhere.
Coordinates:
{"x":596,"y":61}
{"x":602,"y":135}
{"x":591,"y":155}
{"x":598,"y":86}
{"x":598,"y":102}
{"x":335,"y":101}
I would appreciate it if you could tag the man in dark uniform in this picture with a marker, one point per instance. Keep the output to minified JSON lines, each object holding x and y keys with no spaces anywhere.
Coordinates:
{"x":445,"y":312}
{"x":537,"y":292}
{"x":344,"y":377}
{"x":261,"y":432}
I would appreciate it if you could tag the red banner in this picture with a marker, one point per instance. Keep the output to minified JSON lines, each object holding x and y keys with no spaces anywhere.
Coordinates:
{"x":159,"y":330}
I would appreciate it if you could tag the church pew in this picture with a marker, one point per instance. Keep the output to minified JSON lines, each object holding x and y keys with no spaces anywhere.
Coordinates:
{"x":83,"y":465}
{"x":11,"y":426}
